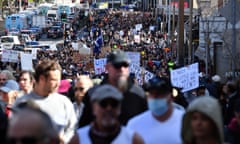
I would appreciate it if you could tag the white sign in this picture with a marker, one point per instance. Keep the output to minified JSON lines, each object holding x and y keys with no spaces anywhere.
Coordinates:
{"x":151,"y":28}
{"x":137,"y":39}
{"x":10,"y":56}
{"x":26,"y":61}
{"x":34,"y":53}
{"x":186,"y":78}
{"x":138,"y":27}
{"x":140,"y":73}
{"x":134,"y":57}
{"x":99,"y":65}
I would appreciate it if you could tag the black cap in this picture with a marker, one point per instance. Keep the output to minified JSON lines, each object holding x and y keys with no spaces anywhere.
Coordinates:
{"x":117,"y":56}
{"x":161,"y":84}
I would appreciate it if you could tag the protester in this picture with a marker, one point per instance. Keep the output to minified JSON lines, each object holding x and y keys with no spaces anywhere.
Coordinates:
{"x":5,"y":75}
{"x":162,"y":122}
{"x":26,"y":82}
{"x":202,"y":123}
{"x":81,"y":86}
{"x":233,"y":128}
{"x":106,"y":128}
{"x":231,"y":93}
{"x":3,"y":126}
{"x":133,"y":103}
{"x":9,"y":92}
{"x":57,"y":106}
{"x":31,"y":126}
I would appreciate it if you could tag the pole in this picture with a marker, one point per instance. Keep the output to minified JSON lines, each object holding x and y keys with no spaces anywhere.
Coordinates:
{"x":180,"y":56}
{"x":233,"y":2}
{"x":20,"y":5}
{"x":112,"y":4}
{"x":169,"y":22}
{"x":207,"y":48}
{"x":172,"y":34}
{"x":190,"y":32}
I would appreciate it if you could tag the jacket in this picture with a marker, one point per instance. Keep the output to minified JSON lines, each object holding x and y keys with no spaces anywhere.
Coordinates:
{"x":133,"y":103}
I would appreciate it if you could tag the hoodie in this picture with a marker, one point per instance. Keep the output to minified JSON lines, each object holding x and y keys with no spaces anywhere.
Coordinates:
{"x":208,"y":106}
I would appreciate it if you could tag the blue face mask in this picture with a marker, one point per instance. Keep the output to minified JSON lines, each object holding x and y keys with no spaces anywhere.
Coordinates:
{"x":158,"y":106}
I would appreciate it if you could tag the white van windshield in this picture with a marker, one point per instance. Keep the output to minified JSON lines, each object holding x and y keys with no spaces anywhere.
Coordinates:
{"x":7,"y":40}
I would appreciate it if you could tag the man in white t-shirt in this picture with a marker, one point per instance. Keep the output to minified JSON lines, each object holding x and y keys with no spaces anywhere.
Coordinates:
{"x":106,"y":128}
{"x":162,"y":122}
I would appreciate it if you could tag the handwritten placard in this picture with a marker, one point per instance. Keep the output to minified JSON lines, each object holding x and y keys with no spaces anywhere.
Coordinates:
{"x":10,"y":56}
{"x":186,"y":77}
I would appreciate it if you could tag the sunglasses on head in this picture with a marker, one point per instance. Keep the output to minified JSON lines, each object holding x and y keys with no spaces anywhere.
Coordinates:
{"x":109,"y":102}
{"x":23,"y":140}
{"x":78,"y":88}
{"x":119,"y":65}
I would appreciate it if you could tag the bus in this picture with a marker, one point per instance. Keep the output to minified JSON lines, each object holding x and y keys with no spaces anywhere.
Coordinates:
{"x":29,"y":15}
{"x":66,"y":9}
{"x":43,"y":8}
{"x":16,"y":21}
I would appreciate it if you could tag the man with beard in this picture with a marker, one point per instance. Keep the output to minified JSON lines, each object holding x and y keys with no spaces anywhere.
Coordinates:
{"x":105,"y":129}
{"x":44,"y":94}
{"x":133,"y":102}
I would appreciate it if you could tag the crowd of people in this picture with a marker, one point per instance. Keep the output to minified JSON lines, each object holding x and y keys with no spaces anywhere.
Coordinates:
{"x":51,"y":106}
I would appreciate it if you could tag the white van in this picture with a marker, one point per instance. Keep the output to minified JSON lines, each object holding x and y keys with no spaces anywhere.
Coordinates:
{"x":52,"y":14}
{"x":7,"y":42}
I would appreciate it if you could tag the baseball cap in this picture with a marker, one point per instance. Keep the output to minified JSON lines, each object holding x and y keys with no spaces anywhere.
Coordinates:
{"x":161,"y":84}
{"x":216,"y":78}
{"x":117,"y":56}
{"x":106,"y":91}
{"x":9,"y":85}
{"x":64,"y":86}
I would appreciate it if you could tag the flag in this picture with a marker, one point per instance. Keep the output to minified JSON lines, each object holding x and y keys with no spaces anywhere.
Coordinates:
{"x":98,"y":43}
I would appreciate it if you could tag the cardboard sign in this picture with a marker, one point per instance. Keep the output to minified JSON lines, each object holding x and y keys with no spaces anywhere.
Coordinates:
{"x":186,"y":78}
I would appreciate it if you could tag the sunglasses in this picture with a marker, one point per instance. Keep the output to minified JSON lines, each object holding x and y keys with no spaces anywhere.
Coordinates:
{"x":119,"y":65}
{"x":78,"y":88}
{"x":109,"y":102}
{"x":23,"y":140}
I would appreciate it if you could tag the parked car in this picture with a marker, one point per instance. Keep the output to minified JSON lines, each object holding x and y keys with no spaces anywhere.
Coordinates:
{"x":55,"y":32}
{"x":32,"y":33}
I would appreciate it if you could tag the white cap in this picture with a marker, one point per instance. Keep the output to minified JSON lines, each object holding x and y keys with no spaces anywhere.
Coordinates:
{"x":216,"y":78}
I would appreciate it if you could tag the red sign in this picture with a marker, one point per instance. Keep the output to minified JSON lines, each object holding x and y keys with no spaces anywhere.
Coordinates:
{"x":177,"y":5}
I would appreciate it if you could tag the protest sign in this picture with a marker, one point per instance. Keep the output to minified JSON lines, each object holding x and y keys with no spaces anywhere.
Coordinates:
{"x":186,"y":77}
{"x":99,"y":65}
{"x":10,"y":56}
{"x":26,"y":61}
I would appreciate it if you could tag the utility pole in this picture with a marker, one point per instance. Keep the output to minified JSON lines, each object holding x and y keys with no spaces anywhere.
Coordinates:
{"x":207,"y":40}
{"x":169,"y":22}
{"x":180,"y":51}
{"x":172,"y":34}
{"x":233,"y":2}
{"x":190,"y":32}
